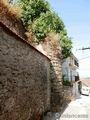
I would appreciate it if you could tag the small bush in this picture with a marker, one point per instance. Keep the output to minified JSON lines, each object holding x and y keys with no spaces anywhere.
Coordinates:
{"x":66,"y":82}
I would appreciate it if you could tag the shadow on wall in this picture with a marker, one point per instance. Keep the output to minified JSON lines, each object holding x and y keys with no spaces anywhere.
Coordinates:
{"x":24,"y":78}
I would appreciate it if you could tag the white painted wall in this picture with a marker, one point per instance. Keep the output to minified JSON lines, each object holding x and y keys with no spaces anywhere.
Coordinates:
{"x":65,"y":68}
{"x":70,"y":73}
{"x":75,"y":89}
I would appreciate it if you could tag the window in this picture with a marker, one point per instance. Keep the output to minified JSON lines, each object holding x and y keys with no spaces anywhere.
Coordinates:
{"x":76,"y":63}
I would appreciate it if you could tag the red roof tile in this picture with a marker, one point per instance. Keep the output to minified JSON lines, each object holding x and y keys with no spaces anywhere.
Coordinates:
{"x":86,"y":82}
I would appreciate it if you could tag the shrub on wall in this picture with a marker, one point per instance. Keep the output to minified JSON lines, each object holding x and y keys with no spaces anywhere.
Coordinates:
{"x":39,"y":20}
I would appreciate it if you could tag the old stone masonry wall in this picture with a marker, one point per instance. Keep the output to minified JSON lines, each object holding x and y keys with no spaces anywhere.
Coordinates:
{"x":52,"y":48}
{"x":24,"y":78}
{"x":68,"y":93}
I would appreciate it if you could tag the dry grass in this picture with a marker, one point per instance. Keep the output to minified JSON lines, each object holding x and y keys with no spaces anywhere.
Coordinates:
{"x":13,"y":11}
{"x":29,"y":34}
{"x":53,"y":40}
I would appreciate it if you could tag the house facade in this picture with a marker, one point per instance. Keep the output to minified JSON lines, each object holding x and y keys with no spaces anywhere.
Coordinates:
{"x":70,"y":72}
{"x":70,"y":67}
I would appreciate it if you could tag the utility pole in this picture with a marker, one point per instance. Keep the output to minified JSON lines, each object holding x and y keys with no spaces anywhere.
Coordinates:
{"x":83,"y":48}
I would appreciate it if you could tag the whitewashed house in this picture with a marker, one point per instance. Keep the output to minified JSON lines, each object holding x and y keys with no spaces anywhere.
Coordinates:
{"x":70,"y":70}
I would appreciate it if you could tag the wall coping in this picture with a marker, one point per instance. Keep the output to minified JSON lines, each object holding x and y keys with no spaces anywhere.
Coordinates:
{"x":12,"y":33}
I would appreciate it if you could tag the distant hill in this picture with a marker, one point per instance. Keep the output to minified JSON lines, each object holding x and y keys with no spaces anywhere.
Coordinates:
{"x":84,"y":78}
{"x":87,"y":78}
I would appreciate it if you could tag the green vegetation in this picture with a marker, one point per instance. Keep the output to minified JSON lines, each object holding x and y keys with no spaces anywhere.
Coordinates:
{"x":39,"y":21}
{"x":52,"y":80}
{"x":32,"y":10}
{"x":66,"y":81}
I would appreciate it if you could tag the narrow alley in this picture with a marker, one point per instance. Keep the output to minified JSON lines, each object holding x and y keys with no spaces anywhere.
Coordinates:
{"x":79,"y":109}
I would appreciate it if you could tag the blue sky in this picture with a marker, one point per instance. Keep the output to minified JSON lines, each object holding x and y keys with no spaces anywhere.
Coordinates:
{"x":76,"y":17}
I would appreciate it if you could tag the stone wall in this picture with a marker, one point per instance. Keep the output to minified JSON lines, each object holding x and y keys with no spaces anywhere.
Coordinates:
{"x":51,"y":47}
{"x":68,"y":93}
{"x":15,"y":25}
{"x":24,"y":78}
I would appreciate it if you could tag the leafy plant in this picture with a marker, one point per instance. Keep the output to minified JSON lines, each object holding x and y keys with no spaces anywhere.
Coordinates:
{"x":47,"y":23}
{"x":31,"y":10}
{"x":63,"y":76}
{"x":66,"y":45}
{"x":66,"y":81}
{"x":39,"y":20}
